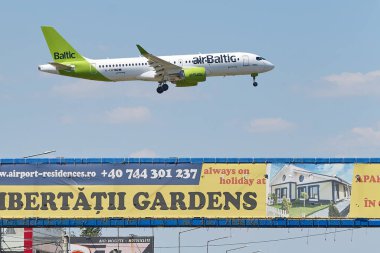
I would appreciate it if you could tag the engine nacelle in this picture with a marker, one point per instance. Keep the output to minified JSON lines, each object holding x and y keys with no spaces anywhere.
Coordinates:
{"x":191,"y":76}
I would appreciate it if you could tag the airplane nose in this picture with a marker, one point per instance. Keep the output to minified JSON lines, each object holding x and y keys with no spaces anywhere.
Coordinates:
{"x":270,"y":66}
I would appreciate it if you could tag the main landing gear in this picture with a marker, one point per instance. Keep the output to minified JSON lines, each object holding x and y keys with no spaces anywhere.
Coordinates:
{"x":162,"y":86}
{"x":254,"y":79}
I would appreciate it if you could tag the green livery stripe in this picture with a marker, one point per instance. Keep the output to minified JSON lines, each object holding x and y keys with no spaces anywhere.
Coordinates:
{"x":83,"y":69}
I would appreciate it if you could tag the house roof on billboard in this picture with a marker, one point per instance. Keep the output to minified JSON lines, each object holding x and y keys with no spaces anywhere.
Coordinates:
{"x":292,"y":167}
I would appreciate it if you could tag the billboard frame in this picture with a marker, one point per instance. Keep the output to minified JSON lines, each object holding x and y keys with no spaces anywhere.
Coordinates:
{"x":188,"y":222}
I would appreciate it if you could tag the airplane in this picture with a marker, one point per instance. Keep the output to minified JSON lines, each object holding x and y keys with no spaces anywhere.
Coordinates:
{"x":181,"y":70}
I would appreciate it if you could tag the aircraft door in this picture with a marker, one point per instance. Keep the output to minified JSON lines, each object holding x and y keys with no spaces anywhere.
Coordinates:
{"x":245,"y":60}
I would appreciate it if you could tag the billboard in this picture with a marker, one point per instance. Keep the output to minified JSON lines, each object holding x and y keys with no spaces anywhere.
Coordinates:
{"x":187,"y":190}
{"x":132,"y":244}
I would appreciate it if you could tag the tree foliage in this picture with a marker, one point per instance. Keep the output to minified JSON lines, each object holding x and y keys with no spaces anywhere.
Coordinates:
{"x":274,"y":197}
{"x":305,"y":196}
{"x":90,"y":232}
{"x":286,"y":204}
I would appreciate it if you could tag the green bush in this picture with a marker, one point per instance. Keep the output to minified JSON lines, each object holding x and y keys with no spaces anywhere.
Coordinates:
{"x":297,"y":202}
{"x":333,"y":211}
{"x":286,"y":204}
{"x":274,"y":197}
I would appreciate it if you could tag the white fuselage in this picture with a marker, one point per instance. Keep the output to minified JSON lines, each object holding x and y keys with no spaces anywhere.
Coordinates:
{"x":216,"y":64}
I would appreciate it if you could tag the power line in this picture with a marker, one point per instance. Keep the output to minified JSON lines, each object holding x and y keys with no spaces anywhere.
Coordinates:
{"x":40,"y":244}
{"x":222,"y":244}
{"x":253,"y":242}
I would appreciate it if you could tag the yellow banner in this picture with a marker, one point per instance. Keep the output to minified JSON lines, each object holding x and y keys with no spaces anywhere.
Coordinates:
{"x":365,"y":199}
{"x":223,"y":191}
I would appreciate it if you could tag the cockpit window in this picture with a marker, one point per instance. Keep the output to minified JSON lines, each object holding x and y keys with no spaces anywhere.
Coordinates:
{"x":259,"y":58}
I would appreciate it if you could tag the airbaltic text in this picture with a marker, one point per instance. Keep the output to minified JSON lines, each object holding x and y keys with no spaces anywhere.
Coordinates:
{"x":223,"y":58}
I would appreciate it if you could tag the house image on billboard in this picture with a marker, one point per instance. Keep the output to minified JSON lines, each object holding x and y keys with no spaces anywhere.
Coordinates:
{"x":291,"y":181}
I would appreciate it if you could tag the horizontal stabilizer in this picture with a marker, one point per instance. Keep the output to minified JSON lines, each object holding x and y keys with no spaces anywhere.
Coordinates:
{"x":61,"y":66}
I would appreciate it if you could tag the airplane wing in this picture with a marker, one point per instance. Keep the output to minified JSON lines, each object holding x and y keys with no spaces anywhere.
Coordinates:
{"x":61,"y":66}
{"x":161,"y":66}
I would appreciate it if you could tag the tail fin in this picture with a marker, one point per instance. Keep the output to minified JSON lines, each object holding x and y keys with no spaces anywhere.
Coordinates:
{"x":60,"y":49}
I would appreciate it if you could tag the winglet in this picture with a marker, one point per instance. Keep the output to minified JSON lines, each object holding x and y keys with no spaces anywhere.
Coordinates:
{"x":142,"y":50}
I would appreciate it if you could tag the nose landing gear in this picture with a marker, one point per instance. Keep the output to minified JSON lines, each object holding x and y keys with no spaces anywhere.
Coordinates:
{"x":254,"y":79}
{"x":162,"y":86}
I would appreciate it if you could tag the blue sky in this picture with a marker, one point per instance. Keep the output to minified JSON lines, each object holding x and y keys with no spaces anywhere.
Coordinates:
{"x":322,"y":98}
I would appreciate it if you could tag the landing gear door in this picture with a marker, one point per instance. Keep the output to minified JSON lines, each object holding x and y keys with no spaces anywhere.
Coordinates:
{"x":245,"y":60}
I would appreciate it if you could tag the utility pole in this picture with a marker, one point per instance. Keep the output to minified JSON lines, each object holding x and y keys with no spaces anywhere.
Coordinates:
{"x":65,"y":244}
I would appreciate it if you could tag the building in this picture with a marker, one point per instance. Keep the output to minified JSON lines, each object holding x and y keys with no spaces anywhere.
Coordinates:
{"x":31,"y":240}
{"x":291,"y":181}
